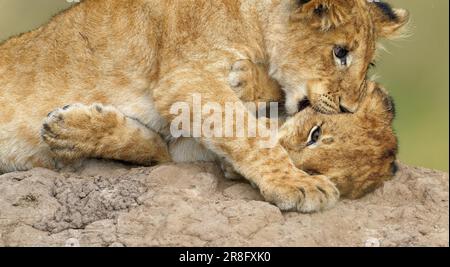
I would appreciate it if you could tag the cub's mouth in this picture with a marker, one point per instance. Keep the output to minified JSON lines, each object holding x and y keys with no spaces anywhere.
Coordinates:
{"x":303,"y":104}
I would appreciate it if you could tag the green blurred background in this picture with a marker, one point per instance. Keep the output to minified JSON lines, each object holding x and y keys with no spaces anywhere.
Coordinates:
{"x":415,"y":70}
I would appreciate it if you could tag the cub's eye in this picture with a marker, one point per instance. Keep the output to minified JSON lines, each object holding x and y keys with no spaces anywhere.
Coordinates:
{"x":314,"y":135}
{"x":340,"y":52}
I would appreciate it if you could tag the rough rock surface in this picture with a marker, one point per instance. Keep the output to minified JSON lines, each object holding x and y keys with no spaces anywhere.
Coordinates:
{"x":105,"y":204}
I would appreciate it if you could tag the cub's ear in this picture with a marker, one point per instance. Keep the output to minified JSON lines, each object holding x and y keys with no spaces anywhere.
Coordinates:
{"x":377,"y":105}
{"x":389,"y":22}
{"x":322,"y":14}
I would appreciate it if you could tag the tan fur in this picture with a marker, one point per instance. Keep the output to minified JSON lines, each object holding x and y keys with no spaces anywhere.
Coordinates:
{"x":142,"y":56}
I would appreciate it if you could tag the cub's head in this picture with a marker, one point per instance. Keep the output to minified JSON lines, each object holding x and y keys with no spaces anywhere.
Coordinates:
{"x":357,"y":151}
{"x":320,"y":50}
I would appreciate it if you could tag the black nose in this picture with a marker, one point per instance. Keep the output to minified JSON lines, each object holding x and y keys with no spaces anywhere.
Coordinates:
{"x":303,"y":104}
{"x":344,"y":109}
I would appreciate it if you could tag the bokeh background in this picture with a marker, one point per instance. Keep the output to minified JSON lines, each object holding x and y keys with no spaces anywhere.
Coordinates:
{"x":415,"y":71}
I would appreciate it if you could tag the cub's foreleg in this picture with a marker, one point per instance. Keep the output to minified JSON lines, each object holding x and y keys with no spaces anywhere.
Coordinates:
{"x":78,"y":131}
{"x":252,"y":84}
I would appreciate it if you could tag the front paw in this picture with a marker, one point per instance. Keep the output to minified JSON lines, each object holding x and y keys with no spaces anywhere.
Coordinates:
{"x":73,"y":131}
{"x":251,"y":82}
{"x":242,"y":79}
{"x":241,"y":72}
{"x":306,"y":194}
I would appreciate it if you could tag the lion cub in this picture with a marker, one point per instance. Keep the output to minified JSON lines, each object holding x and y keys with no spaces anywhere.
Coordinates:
{"x":357,"y":151}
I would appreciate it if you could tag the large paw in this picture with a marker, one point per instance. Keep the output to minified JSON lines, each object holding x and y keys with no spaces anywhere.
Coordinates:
{"x":307,"y":194}
{"x":243,"y":78}
{"x":241,"y":73}
{"x":251,"y":82}
{"x":73,"y":131}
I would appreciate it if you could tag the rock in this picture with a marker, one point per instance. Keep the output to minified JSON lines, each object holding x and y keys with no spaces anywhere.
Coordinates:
{"x":242,"y":191}
{"x":108,"y":205}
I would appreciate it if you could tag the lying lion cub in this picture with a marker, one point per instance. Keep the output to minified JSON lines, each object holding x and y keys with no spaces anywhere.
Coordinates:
{"x":357,"y":151}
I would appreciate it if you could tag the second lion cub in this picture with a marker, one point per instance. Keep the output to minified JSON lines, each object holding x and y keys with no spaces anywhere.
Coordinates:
{"x":357,"y":151}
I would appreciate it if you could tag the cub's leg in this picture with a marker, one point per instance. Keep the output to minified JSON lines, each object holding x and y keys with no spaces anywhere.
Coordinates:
{"x":78,"y":131}
{"x":270,"y":168}
{"x":252,"y":84}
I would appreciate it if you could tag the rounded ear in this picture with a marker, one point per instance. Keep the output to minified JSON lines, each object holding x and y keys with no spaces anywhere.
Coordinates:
{"x":322,"y":14}
{"x":389,"y":22}
{"x":378,"y":104}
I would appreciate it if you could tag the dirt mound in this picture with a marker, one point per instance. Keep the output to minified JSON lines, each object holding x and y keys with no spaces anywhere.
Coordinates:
{"x":105,"y":204}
